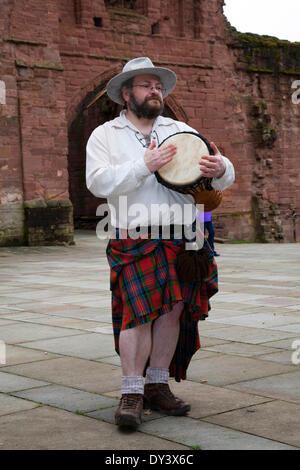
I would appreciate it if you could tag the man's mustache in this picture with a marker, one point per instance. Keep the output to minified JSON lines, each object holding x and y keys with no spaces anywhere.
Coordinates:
{"x":154,"y":97}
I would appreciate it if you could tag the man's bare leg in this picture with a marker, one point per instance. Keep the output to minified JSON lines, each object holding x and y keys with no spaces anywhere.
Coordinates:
{"x":135,"y":347}
{"x":137,"y":344}
{"x":164,"y":337}
{"x":157,"y":394}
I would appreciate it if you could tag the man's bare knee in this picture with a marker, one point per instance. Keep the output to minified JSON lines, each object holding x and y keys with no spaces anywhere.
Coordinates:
{"x":177,"y":310}
{"x":174,"y":315}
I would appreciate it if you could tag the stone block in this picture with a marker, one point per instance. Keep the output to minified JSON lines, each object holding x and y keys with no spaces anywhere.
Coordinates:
{"x":50,"y":428}
{"x":9,"y":404}
{"x":223,"y":369}
{"x":87,"y":375}
{"x":12,"y":383}
{"x":263,"y":420}
{"x":281,"y":386}
{"x":207,"y":436}
{"x":49,"y":223}
{"x":67,"y":398}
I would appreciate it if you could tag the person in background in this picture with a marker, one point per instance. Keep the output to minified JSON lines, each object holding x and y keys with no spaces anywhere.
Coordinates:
{"x":209,"y":227}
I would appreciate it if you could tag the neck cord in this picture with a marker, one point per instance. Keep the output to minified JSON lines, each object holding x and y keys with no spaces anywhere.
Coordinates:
{"x":147,"y":139}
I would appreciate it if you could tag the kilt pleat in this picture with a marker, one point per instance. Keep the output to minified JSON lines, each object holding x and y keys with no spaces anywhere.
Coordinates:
{"x":145,"y":285}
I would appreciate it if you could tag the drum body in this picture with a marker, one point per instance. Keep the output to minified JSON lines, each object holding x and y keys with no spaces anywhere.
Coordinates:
{"x":183,"y":174}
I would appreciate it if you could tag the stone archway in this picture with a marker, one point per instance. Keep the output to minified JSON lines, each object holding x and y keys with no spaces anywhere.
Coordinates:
{"x":81,"y":127}
{"x":84,"y":203}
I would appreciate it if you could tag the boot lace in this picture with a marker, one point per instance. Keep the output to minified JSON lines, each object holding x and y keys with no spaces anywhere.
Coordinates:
{"x":130,"y":400}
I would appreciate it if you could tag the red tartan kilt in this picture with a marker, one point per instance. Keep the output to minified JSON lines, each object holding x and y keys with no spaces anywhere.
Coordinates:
{"x":145,"y":285}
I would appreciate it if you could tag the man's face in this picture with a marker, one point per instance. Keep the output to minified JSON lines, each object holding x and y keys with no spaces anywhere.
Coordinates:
{"x":145,"y":97}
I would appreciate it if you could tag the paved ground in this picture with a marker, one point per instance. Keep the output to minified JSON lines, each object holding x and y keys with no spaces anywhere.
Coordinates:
{"x":60,"y":385}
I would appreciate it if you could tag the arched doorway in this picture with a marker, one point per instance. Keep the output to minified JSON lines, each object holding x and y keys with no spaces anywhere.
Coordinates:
{"x":87,"y":119}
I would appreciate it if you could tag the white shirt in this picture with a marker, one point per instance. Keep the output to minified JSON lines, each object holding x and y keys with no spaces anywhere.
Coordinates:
{"x":115,"y":170}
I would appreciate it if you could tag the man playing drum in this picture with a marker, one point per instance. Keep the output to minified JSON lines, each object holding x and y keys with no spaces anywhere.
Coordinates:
{"x":155,"y":315}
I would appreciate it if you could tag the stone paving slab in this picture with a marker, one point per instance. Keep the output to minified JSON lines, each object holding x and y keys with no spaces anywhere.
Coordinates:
{"x":67,"y":398}
{"x":250,"y":335}
{"x":16,"y":354}
{"x":225,"y":369}
{"x":53,"y":429}
{"x":282,"y":386}
{"x":282,"y":357}
{"x":282,"y":344}
{"x":20,"y":332}
{"x":275,"y":420}
{"x":12,"y":383}
{"x":207,"y":436}
{"x":71,"y":311}
{"x":53,"y":320}
{"x":260,"y":320}
{"x":206,"y":341}
{"x":203,"y":354}
{"x":6,"y":321}
{"x":113,"y":360}
{"x":260,"y":289}
{"x":86,"y":346}
{"x":9,"y":404}
{"x":292,"y":328}
{"x":294,"y":307}
{"x":10,"y":309}
{"x":8,"y":300}
{"x":262,"y":276}
{"x":241,"y":349}
{"x":208,"y":400}
{"x":90,"y":376}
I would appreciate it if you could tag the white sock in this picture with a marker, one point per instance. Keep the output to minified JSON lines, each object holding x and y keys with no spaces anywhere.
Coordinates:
{"x":132,"y":384}
{"x":155,"y":375}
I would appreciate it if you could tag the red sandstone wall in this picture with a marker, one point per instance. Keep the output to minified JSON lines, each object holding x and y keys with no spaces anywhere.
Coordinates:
{"x":11,"y":177}
{"x":53,"y":59}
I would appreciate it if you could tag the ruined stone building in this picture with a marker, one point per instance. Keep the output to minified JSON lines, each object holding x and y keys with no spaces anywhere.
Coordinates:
{"x":239,"y":90}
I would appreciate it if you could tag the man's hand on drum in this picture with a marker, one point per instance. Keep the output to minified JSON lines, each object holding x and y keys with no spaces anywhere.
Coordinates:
{"x":212,"y":166}
{"x":156,"y":158}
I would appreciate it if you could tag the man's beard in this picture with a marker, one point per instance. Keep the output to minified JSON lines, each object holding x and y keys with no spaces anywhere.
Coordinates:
{"x":145,"y":110}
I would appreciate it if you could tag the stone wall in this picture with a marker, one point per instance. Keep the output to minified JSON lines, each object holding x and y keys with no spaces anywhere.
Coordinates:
{"x":233,"y":88}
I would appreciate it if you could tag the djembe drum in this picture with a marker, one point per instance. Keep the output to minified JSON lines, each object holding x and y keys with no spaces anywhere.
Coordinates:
{"x":183,"y":172}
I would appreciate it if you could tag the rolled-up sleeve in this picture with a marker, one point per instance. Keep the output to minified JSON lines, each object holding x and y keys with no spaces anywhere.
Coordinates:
{"x":102,"y":177}
{"x":227,"y":179}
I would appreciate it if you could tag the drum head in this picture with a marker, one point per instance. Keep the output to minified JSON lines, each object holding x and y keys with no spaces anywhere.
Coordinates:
{"x":184,"y":170}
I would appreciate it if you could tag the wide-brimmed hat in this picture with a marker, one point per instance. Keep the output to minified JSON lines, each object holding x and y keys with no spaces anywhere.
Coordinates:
{"x":140,"y":66}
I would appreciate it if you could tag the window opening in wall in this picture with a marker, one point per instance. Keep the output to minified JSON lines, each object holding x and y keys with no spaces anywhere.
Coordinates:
{"x":155,"y":28}
{"x":98,"y":22}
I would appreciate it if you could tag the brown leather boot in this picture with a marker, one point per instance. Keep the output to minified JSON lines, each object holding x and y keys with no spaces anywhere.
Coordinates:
{"x":130,"y":410}
{"x":160,"y":398}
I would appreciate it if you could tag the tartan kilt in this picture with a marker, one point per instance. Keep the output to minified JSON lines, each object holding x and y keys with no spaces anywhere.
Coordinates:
{"x":144,"y":286}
